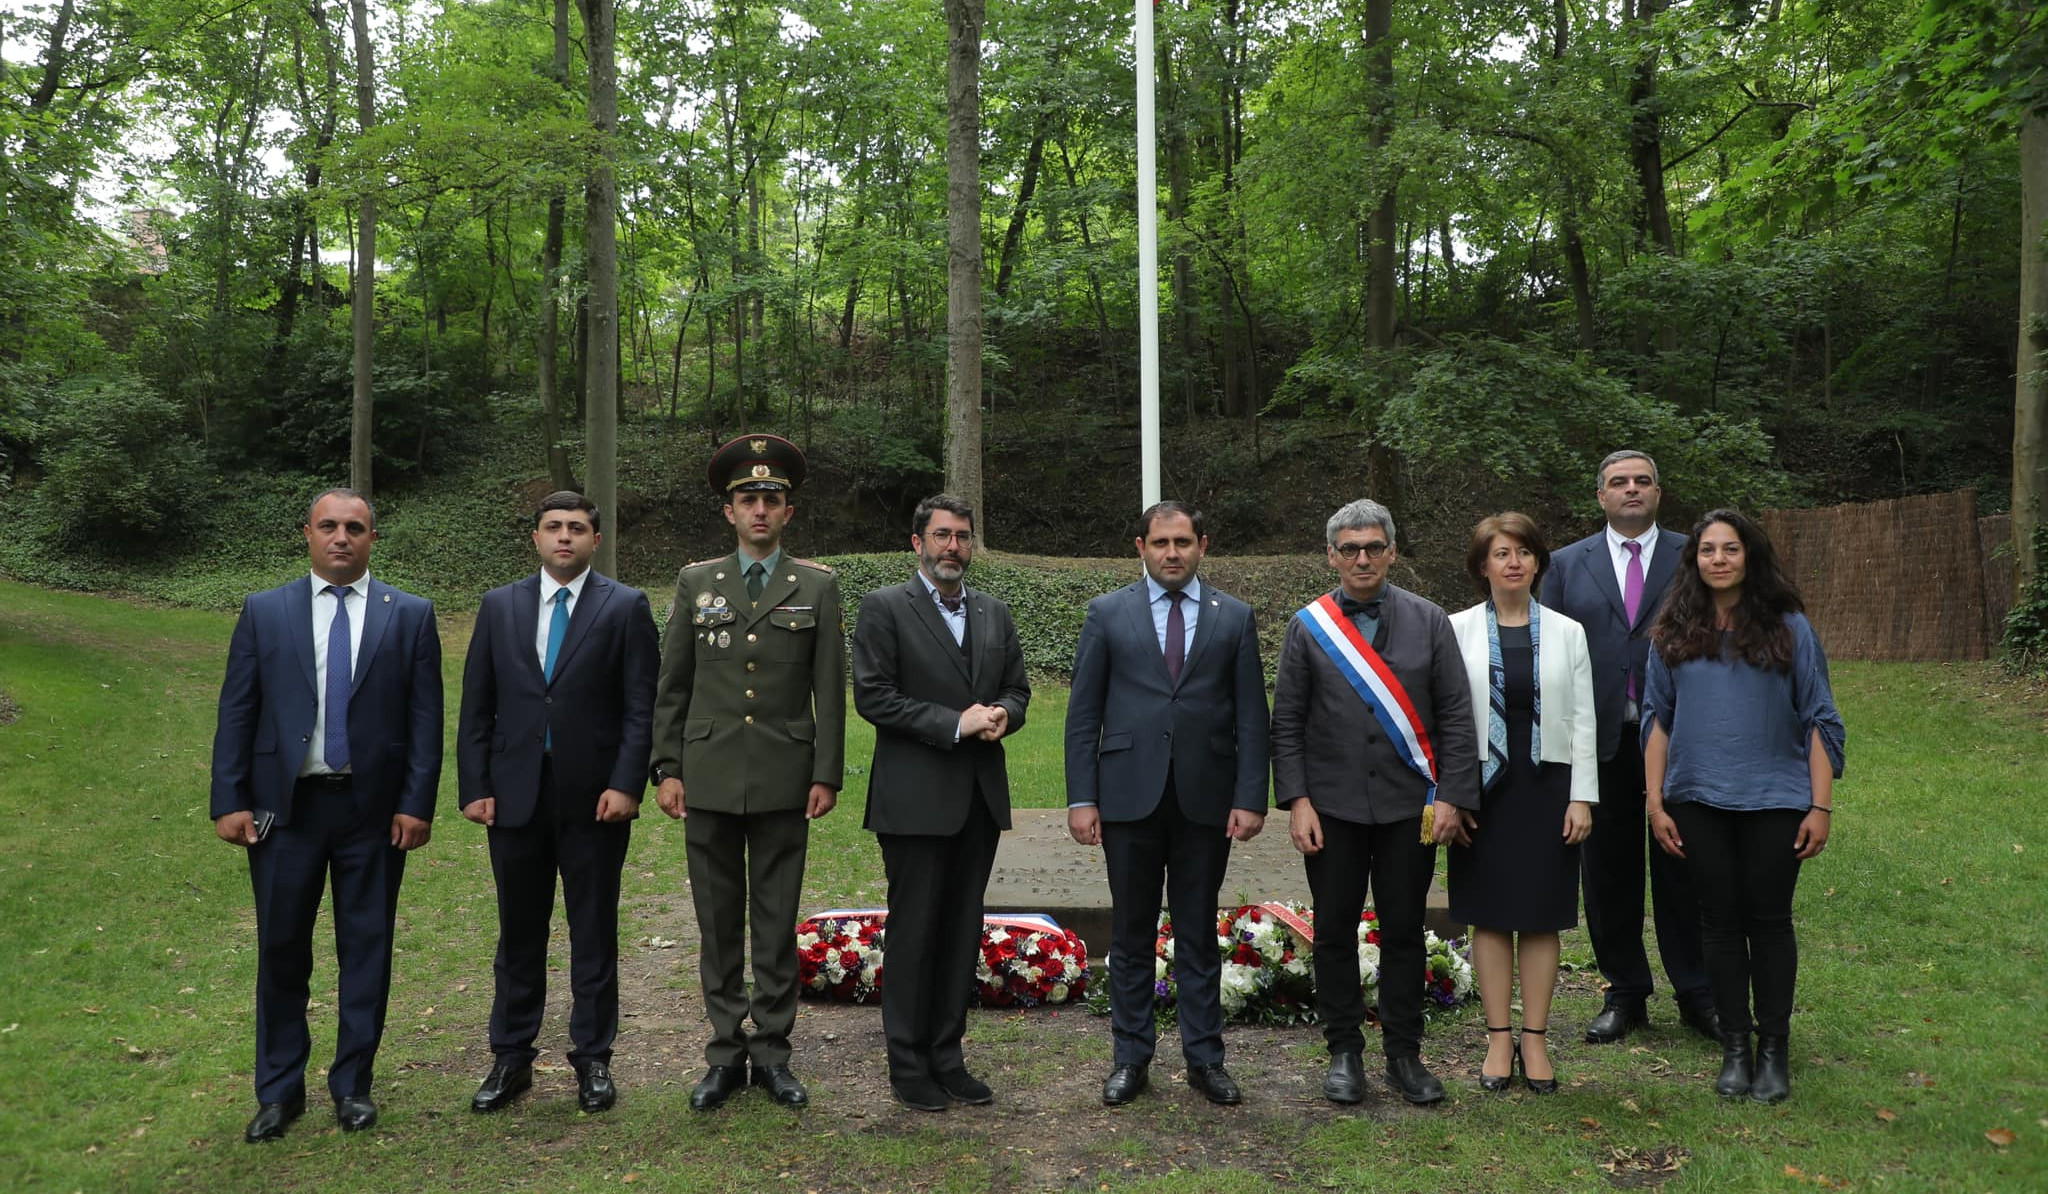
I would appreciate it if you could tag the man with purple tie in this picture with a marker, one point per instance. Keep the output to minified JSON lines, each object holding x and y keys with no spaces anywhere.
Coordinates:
{"x":326,"y":760}
{"x":1611,"y":583}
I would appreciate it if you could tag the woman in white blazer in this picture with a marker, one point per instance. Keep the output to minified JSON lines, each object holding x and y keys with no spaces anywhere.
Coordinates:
{"x":1515,"y":872}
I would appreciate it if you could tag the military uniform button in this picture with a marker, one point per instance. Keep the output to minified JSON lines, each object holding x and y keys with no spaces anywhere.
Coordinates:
{"x":750,"y":719}
{"x":751,"y":665}
{"x":750,"y":694}
{"x":752,"y":637}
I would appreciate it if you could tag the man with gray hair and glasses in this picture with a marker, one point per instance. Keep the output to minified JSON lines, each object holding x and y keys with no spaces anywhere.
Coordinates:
{"x":1375,"y":751}
{"x":1611,"y":582}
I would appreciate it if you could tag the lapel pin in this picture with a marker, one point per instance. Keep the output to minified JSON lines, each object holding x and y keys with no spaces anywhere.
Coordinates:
{"x":791,"y":578}
{"x":387,"y":599}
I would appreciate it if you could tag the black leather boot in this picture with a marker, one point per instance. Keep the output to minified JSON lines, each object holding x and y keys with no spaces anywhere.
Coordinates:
{"x":1773,"y":1081}
{"x":1738,"y":1067}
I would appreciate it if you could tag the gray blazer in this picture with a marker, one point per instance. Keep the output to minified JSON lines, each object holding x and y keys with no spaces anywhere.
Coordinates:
{"x":1580,"y":585}
{"x":911,"y":681}
{"x":1128,"y":721}
{"x":1327,"y":746}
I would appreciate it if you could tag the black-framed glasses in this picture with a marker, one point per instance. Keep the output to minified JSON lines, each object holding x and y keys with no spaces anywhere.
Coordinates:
{"x":1371,"y":551}
{"x":943,"y":537}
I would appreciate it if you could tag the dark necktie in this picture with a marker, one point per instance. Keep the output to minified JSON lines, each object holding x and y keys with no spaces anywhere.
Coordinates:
{"x":1176,"y":634}
{"x":1632,"y":600}
{"x":955,"y":603}
{"x":757,"y":579}
{"x":1353,"y":607}
{"x":340,"y":675}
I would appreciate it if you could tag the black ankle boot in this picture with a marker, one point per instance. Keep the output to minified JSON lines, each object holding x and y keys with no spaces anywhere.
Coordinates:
{"x":1738,"y":1067}
{"x":1773,"y":1081}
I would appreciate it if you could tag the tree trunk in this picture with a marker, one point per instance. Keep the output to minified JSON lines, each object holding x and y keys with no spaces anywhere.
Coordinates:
{"x":1013,"y":238}
{"x":963,"y":256}
{"x":365,"y":297}
{"x":1381,"y":467}
{"x":2030,"y":389}
{"x":601,"y":405}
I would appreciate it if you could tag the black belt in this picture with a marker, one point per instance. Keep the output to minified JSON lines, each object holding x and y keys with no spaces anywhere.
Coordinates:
{"x":314,"y":784}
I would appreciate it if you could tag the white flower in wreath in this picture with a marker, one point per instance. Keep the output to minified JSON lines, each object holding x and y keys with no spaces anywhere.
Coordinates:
{"x":1058,"y":994}
{"x":819,"y":982}
{"x":1297,"y":965}
{"x":806,"y":940}
{"x":1158,"y":969}
{"x":1239,"y":984}
{"x":1368,"y":961}
{"x":1169,"y":949}
{"x":998,"y":935}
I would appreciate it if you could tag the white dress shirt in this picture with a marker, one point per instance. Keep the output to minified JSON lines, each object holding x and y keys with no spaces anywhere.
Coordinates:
{"x":955,"y":622}
{"x":323,"y":622}
{"x":1162,"y":606}
{"x":1619,"y":553}
{"x":549,"y":586}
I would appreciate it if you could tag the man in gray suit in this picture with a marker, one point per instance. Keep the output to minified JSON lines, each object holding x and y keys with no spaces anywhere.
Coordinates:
{"x":1612,"y":583}
{"x":938,"y":669}
{"x":1356,"y":771}
{"x":1166,"y":766}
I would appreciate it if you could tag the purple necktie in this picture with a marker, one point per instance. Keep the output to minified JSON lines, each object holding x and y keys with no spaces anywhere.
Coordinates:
{"x":1632,"y":598}
{"x":334,"y":743}
{"x":1176,"y":634}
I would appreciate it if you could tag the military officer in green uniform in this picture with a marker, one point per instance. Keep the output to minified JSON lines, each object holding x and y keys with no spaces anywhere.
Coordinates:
{"x":749,"y":746}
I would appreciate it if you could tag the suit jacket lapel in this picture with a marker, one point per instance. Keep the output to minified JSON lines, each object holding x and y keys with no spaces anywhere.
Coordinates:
{"x":729,"y":581}
{"x":977,"y":634}
{"x":582,"y":612}
{"x":1600,"y":561}
{"x":776,"y":591}
{"x":526,"y":624}
{"x":926,"y":611}
{"x":1663,"y":564}
{"x":298,"y":608}
{"x":1205,"y":630}
{"x":1138,"y":610}
{"x":375,"y":621}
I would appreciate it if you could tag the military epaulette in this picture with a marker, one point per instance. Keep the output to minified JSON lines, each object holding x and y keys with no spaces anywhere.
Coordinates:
{"x":824,"y":568}
{"x":701,"y":563}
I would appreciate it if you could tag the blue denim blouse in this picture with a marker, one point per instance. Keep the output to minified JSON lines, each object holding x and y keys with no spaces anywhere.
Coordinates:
{"x":1739,"y":733}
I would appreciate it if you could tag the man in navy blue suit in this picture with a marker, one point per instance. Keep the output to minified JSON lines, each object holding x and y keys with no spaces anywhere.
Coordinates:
{"x":1166,"y":766}
{"x":326,"y":761}
{"x":557,"y":720}
{"x":1611,"y":583}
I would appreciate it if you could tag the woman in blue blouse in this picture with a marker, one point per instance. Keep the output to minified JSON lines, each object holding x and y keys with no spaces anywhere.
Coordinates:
{"x":1741,"y":748}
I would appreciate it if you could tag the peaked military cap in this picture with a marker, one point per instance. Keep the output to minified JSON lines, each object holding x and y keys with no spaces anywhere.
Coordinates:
{"x":756,"y":462}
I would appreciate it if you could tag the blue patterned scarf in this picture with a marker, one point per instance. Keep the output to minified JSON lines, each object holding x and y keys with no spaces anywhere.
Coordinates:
{"x":1497,"y":695}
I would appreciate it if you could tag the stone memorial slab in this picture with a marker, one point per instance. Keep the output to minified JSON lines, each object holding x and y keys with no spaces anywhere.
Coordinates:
{"x":1039,"y":868}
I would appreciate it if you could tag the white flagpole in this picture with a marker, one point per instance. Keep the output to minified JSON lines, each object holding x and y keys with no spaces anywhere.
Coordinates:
{"x":1148,"y":264}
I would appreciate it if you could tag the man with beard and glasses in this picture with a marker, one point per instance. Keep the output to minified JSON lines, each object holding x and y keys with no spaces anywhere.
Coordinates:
{"x":750,"y":747}
{"x":939,"y":671}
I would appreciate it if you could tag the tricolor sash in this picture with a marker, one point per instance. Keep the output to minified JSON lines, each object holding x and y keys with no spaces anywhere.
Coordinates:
{"x":1375,"y":684}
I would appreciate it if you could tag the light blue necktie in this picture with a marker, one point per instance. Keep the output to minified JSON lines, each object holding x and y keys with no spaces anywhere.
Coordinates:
{"x":340,"y":678}
{"x":558,"y":628}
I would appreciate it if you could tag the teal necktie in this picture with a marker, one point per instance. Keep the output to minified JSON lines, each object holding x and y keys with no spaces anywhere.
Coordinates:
{"x":558,"y":628}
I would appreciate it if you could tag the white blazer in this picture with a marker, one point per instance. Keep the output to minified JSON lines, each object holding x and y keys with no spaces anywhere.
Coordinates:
{"x":1568,"y":731}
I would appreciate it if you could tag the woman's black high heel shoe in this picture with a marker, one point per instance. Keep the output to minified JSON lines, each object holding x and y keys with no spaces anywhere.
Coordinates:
{"x":1540,"y":1086}
{"x":1487,"y":1081}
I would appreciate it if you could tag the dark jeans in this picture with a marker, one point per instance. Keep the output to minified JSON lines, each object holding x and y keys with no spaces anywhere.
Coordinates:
{"x":1744,"y":868}
{"x":1612,"y":861}
{"x":588,"y":854}
{"x":1392,"y":859}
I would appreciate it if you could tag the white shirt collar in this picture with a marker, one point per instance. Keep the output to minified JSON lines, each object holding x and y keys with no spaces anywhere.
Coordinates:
{"x":1157,"y":591}
{"x":933,"y":590}
{"x":548,"y":585}
{"x":360,"y":586}
{"x":1615,"y":539}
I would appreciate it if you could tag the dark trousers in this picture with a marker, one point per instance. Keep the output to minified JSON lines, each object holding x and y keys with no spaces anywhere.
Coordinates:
{"x":1165,"y":848}
{"x":936,"y":890}
{"x":1612,"y":864}
{"x":1745,"y":869}
{"x":330,"y":834}
{"x":589,"y":855}
{"x":1398,"y":866}
{"x":747,"y":872}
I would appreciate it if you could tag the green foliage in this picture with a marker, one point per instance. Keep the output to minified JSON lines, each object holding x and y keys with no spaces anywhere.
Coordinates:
{"x":421,"y":416}
{"x":2026,"y":623}
{"x":1531,"y":415}
{"x":118,"y":468}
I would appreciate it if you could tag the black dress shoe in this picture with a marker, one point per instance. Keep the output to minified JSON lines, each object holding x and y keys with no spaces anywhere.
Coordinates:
{"x":1492,"y":1083}
{"x":506,"y":1081}
{"x":1738,"y":1066}
{"x":963,"y":1087}
{"x":594,"y":1089}
{"x":1701,"y":1018}
{"x":718,"y":1084}
{"x":918,"y":1093}
{"x":1412,"y":1081}
{"x":1773,"y":1081}
{"x":273,"y":1118}
{"x":782,"y":1085}
{"x":355,"y":1113}
{"x":1346,"y":1080}
{"x":1125,"y":1082}
{"x":1617,"y":1019}
{"x":1215,"y":1084}
{"x":1542,"y":1086}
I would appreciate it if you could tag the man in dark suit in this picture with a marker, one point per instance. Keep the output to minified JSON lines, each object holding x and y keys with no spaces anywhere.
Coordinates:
{"x":1612,"y":583}
{"x":557,"y":717}
{"x":938,"y":669}
{"x":326,"y":760}
{"x":750,"y":711}
{"x":1166,"y":766}
{"x":1355,"y":770}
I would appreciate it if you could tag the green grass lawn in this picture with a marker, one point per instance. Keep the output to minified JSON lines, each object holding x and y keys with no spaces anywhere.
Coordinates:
{"x":127,"y":969}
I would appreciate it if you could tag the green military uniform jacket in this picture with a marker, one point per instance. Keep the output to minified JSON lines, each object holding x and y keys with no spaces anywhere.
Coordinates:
{"x":750,"y":706}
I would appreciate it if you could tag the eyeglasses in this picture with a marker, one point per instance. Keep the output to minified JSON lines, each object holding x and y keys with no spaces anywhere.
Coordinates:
{"x":943,"y":537}
{"x":1371,"y":551}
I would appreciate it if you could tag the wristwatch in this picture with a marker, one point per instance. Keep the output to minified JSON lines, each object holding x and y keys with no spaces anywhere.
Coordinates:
{"x":657,"y":773}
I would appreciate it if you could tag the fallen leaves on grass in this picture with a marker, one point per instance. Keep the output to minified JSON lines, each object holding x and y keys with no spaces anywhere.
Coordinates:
{"x":1640,"y":1167}
{"x":1887,"y":1114}
{"x":2002,"y":1137}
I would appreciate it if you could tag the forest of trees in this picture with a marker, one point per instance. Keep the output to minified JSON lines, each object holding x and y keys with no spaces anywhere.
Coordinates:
{"x":1793,"y":244}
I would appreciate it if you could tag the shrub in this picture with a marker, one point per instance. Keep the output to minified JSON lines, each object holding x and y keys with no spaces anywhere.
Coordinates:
{"x":118,"y":467}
